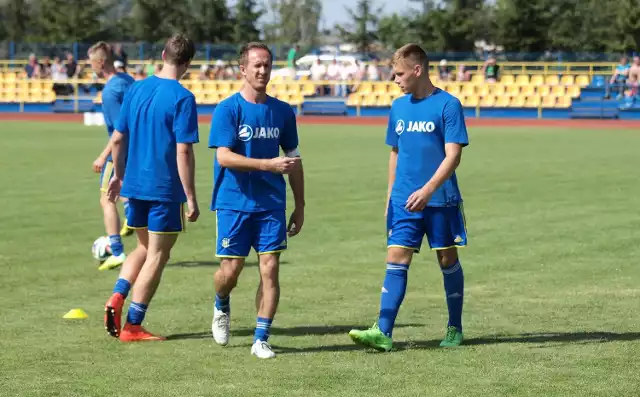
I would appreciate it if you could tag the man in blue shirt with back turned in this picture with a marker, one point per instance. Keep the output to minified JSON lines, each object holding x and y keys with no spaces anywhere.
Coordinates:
{"x":426,"y":132}
{"x":101,"y":59}
{"x":248,"y":130}
{"x":160,"y":120}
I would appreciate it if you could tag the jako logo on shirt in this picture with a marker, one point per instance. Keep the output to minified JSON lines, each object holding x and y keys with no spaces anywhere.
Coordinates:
{"x":400,"y":127}
{"x":421,"y":126}
{"x":247,"y":133}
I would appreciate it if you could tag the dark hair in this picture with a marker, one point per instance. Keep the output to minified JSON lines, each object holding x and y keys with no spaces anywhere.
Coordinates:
{"x":244,"y":51}
{"x":179,"y":50}
{"x":412,"y":52}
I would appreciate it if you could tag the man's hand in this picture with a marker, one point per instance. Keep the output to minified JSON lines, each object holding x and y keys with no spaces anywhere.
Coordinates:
{"x":295,"y":222}
{"x":113,"y":191}
{"x":284,"y":165}
{"x":418,"y":200}
{"x":99,"y":164}
{"x":193,"y":211}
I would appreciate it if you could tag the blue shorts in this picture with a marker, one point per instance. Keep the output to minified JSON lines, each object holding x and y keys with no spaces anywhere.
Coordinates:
{"x":444,"y":227}
{"x":157,"y":216}
{"x":105,"y":175}
{"x":238,"y":231}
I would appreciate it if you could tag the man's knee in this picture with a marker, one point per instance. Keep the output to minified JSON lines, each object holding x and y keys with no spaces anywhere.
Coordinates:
{"x":447,"y":257}
{"x":269,"y":267}
{"x":399,"y":255}
{"x":229,"y":271}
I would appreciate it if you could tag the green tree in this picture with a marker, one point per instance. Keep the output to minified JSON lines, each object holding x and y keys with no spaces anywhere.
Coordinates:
{"x":65,"y":21}
{"x":395,"y":30}
{"x":628,"y":25}
{"x":293,"y":21}
{"x":522,"y":25}
{"x":245,"y":16}
{"x":363,"y":29}
{"x":15,"y":19}
{"x":210,"y":21}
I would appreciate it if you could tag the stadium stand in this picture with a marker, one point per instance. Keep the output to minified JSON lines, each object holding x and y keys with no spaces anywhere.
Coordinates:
{"x":582,"y":95}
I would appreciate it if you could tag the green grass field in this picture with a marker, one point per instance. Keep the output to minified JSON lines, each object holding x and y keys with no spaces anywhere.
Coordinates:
{"x":552,"y":304}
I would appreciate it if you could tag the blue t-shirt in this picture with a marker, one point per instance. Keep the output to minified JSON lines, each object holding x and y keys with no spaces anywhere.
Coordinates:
{"x":420,"y":128}
{"x":257,"y":131}
{"x":156,"y":115}
{"x":112,"y":97}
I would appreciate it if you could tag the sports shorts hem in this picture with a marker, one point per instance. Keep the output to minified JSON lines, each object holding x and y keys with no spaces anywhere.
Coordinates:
{"x":403,"y":246}
{"x":272,"y":252}
{"x":177,"y":232}
{"x":449,"y":247}
{"x":230,"y":256}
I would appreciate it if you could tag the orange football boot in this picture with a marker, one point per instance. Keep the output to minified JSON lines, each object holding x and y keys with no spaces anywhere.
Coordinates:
{"x":113,"y":314}
{"x":137,"y":333}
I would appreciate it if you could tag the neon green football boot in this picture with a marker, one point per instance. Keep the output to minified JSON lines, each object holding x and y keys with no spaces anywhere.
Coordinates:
{"x":372,"y":337}
{"x":453,"y":338}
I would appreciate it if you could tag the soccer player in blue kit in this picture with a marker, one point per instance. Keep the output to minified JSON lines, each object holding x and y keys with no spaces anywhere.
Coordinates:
{"x":101,"y":59}
{"x":426,"y":132}
{"x":159,"y":118}
{"x":249,"y":194}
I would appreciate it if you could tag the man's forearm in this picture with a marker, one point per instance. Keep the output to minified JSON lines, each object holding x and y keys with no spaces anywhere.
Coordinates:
{"x":296,"y":180}
{"x":444,"y":172}
{"x":393,"y":162}
{"x":186,"y":170}
{"x":118,"y":150}
{"x":228,"y":159}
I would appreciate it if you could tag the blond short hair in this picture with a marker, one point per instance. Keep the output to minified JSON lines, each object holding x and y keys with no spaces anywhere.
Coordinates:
{"x":411,"y":53}
{"x":101,"y":51}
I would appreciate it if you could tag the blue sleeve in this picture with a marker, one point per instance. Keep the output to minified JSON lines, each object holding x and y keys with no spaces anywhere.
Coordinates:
{"x":455,"y":129}
{"x":111,"y":103}
{"x":185,"y":120}
{"x":289,"y":137}
{"x":223,"y":127}
{"x":392,"y":135}
{"x":121,"y":122}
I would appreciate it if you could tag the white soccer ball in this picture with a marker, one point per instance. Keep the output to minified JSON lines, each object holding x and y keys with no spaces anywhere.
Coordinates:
{"x":101,"y":248}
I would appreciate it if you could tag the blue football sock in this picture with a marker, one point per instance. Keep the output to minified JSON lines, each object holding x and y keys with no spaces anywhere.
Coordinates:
{"x":454,"y":291}
{"x":136,"y":313}
{"x":223,"y":304}
{"x":122,"y":286}
{"x":116,"y":244}
{"x":262,"y":329}
{"x":393,"y":289}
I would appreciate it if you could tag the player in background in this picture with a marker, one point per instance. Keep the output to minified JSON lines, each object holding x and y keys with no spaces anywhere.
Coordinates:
{"x":159,"y":124}
{"x":102,"y":63}
{"x":426,"y":132}
{"x":249,"y":194}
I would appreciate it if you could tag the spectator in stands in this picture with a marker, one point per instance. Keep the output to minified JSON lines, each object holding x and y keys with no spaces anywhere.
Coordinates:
{"x":373,"y":71}
{"x":119,"y":54}
{"x":32,"y":69}
{"x":463,"y":74}
{"x":444,"y":71}
{"x":119,"y":66}
{"x":348,"y":73}
{"x":634,"y":76}
{"x":291,"y":60}
{"x":73,"y":71}
{"x":333,"y":74}
{"x":139,"y":74}
{"x":619,"y":79}
{"x":319,"y":73}
{"x":490,"y":70}
{"x":45,"y":68}
{"x":151,"y":67}
{"x":204,"y":72}
{"x":59,"y":77}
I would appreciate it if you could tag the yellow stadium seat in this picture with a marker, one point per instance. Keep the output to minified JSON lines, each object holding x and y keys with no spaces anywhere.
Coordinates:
{"x":354,"y":100}
{"x":582,"y":80}
{"x":380,"y":88}
{"x":507,"y":79}
{"x":471,"y":101}
{"x":209,"y":86}
{"x":552,"y":80}
{"x":9,"y":96}
{"x":563,"y":102}
{"x":482,"y":90}
{"x":513,"y":90}
{"x":497,"y":89}
{"x":370,"y":100}
{"x":211,"y":97}
{"x":567,"y":79}
{"x":477,"y":79}
{"x":36,"y":96}
{"x":503,"y":101}
{"x":558,"y":90}
{"x":573,"y":91}
{"x":453,"y":89}
{"x":532,"y":101}
{"x":468,"y":89}
{"x":544,"y":90}
{"x":384,"y":100}
{"x":296,"y":99}
{"x":47,"y":86}
{"x":365,"y":88}
{"x":522,"y":79}
{"x":394,"y":89}
{"x":295,"y":88}
{"x":10,"y":76}
{"x":527,"y":89}
{"x":548,"y":101}
{"x":224,"y":87}
{"x":517,"y":101}
{"x":49,"y":97}
{"x":488,"y":101}
{"x":537,"y":79}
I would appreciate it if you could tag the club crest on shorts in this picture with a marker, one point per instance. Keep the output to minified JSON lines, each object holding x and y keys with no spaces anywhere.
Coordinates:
{"x":225,"y":243}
